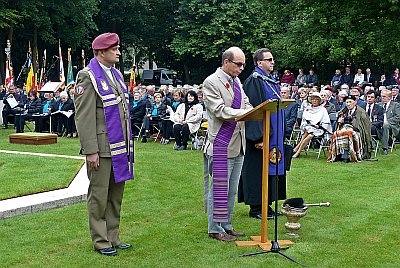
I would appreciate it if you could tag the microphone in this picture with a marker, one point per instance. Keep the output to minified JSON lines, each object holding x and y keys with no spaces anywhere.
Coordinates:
{"x":264,"y":78}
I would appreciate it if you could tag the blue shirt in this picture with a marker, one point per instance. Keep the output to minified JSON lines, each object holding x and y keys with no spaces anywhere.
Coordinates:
{"x":155,"y":110}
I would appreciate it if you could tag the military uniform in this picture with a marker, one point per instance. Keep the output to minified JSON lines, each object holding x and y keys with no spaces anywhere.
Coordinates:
{"x":104,"y":195}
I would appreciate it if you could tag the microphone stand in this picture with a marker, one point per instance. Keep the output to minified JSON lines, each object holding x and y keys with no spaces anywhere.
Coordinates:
{"x":275,"y":248}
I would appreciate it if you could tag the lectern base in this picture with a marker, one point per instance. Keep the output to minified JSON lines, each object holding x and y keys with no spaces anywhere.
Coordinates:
{"x":256,"y":241}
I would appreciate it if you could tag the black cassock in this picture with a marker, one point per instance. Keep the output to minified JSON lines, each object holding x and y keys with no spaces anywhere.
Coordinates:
{"x":250,"y":187}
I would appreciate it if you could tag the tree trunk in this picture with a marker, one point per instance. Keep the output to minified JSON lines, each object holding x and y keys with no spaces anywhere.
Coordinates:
{"x":187,"y":74}
{"x":121,"y":60}
{"x":10,"y":35}
{"x":150,"y":55}
{"x":35,"y":51}
{"x":2,"y":64}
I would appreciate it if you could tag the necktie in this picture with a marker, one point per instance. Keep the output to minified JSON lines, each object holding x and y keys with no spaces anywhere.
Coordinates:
{"x":369,"y":110}
{"x":384,"y":107}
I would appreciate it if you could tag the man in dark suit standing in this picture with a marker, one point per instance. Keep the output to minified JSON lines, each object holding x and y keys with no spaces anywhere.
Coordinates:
{"x":250,"y":188}
{"x":102,"y":120}
{"x":375,"y":113}
{"x":391,"y":122}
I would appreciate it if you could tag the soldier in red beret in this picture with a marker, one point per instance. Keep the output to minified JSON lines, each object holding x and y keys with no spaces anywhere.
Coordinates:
{"x":102,"y":121}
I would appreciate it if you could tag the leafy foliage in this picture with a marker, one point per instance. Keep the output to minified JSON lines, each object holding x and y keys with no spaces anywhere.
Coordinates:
{"x":190,"y":35}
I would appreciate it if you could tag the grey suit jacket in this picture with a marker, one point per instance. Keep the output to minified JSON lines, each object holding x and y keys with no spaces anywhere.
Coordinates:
{"x":393,"y":116}
{"x":218,"y":100}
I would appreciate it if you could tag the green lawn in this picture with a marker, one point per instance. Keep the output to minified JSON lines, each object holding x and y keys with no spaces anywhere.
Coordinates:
{"x":163,"y":217}
{"x":24,"y":174}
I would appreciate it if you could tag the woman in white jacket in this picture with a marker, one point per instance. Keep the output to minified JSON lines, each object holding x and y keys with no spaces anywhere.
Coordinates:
{"x":187,"y":119}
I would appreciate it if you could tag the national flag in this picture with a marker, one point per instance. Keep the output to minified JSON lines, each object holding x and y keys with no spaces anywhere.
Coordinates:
{"x":132,"y":80}
{"x":9,"y":68}
{"x":30,"y":80}
{"x":9,"y":75}
{"x":70,"y":75}
{"x":61,"y":69}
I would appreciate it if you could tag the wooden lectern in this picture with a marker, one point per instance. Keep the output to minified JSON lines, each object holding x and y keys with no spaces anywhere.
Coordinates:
{"x":263,"y":112}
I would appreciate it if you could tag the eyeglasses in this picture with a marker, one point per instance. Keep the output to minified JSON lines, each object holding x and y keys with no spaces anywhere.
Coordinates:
{"x":238,"y":64}
{"x":268,"y":59}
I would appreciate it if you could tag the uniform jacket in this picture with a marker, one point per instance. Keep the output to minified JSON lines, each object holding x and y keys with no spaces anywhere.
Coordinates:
{"x":90,"y":119}
{"x":218,"y":100}
{"x":193,"y":116}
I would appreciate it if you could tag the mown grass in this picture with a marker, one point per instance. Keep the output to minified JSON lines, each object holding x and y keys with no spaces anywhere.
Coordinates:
{"x":162,"y":215}
{"x":24,"y":174}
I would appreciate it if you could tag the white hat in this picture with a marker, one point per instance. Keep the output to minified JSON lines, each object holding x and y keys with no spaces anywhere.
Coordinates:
{"x":314,"y":94}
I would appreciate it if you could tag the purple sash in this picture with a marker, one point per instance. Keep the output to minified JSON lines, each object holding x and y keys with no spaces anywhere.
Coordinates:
{"x":220,"y":162}
{"x":121,"y":153}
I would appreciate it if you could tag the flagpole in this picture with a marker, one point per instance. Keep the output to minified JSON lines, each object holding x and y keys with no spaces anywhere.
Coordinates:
{"x":43,"y":69}
{"x":25,"y":64}
{"x":83,"y":59}
{"x":8,"y":54}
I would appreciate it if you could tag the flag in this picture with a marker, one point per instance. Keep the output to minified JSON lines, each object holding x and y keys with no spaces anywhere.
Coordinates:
{"x":30,"y":80}
{"x":132,"y":82}
{"x":9,"y":68}
{"x":61,"y":70}
{"x":43,"y":71}
{"x":9,"y":76}
{"x":70,"y":75}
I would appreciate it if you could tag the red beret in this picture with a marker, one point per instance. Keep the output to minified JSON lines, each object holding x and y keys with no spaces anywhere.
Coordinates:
{"x":105,"y":40}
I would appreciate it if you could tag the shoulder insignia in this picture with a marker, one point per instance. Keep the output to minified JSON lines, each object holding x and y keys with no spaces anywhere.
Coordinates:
{"x":79,"y":90}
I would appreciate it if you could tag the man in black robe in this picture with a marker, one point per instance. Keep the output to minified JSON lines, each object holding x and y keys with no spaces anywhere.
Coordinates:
{"x":250,"y":186}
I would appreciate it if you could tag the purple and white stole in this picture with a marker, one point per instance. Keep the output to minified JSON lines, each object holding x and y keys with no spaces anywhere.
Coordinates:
{"x":220,"y":161}
{"x":121,"y":155}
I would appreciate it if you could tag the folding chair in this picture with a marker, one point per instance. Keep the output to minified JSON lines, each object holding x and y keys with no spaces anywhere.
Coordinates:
{"x":139,"y":127}
{"x":375,"y":144}
{"x":395,"y":140}
{"x":323,"y":143}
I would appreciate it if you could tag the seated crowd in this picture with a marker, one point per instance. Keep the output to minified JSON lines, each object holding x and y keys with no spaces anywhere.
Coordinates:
{"x":168,"y":113}
{"x":49,"y":112}
{"x":353,"y":113}
{"x":352,"y":119}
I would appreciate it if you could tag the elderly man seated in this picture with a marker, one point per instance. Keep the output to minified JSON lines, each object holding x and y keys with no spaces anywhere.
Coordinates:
{"x":391,"y":122}
{"x":10,"y":96}
{"x":64,"y":115}
{"x":352,"y":139}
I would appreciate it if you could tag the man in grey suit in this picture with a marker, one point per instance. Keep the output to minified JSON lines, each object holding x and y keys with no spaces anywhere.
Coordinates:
{"x":391,"y":122}
{"x":225,"y":100}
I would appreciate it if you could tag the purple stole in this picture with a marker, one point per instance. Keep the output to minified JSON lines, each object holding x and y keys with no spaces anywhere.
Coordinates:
{"x":220,"y":161}
{"x":121,"y":156}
